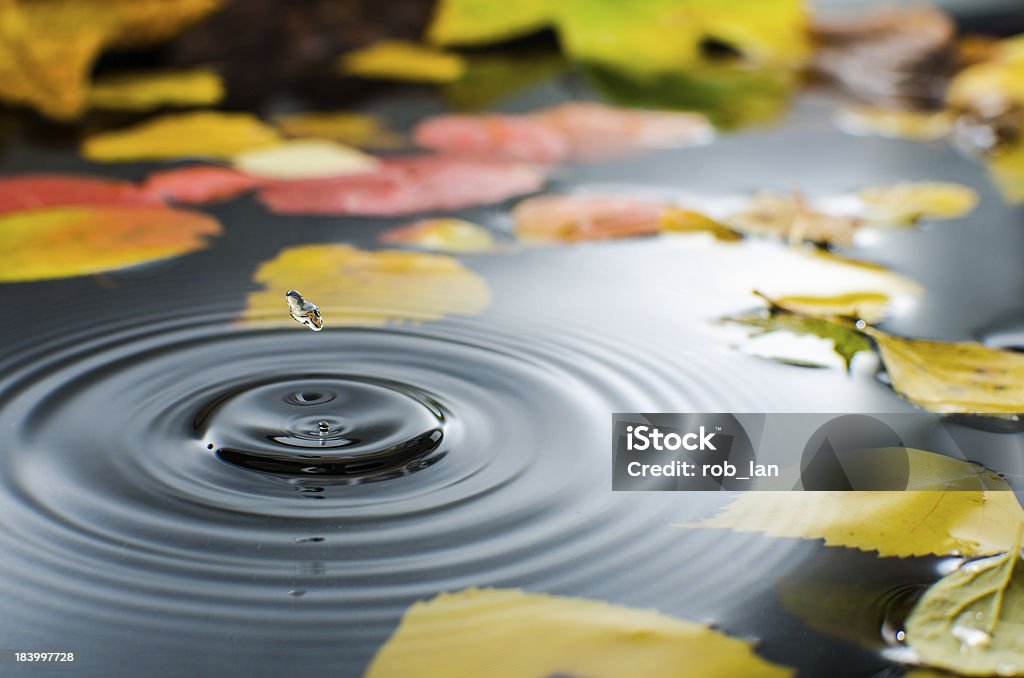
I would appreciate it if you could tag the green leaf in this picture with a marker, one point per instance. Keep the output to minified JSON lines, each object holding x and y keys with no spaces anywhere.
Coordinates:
{"x":972,"y":621}
{"x":479,"y":22}
{"x":847,"y":340}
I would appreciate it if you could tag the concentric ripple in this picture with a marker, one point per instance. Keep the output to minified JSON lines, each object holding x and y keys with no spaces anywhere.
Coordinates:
{"x":226,"y":477}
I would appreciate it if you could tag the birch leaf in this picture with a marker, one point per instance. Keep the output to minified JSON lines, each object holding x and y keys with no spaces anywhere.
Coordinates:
{"x":471,"y":632}
{"x":869,"y":306}
{"x":847,"y":341}
{"x":972,"y":620}
{"x":408,"y":61}
{"x":145,"y":91}
{"x":208,"y":134}
{"x":953,"y":377}
{"x":978,"y":516}
{"x":357,"y":287}
{"x":63,"y":242}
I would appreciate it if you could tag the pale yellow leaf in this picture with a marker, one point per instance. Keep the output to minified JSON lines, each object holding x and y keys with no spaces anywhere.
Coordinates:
{"x":304,"y":159}
{"x":358,"y":287}
{"x":508,"y":633}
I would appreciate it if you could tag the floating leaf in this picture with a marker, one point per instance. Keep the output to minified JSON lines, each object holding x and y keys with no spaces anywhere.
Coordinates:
{"x":518,"y":137}
{"x":477,"y":22}
{"x":399,"y":60}
{"x":597,"y":131}
{"x":355,"y":129}
{"x":577,"y":217}
{"x":63,"y":242}
{"x":406,"y":186}
{"x":469,"y":633}
{"x":304,"y":159}
{"x":442,"y":235}
{"x":992,"y":86}
{"x":897,"y":123}
{"x":909,"y":202}
{"x":1007,"y":168}
{"x":144,"y":91}
{"x":199,"y":184}
{"x":680,"y":220}
{"x":32,"y":191}
{"x":202,"y":134}
{"x":979,"y":517}
{"x":847,"y":341}
{"x":793,"y":218}
{"x":972,"y":620}
{"x":577,"y":130}
{"x":950,"y":377}
{"x":869,"y":306}
{"x":47,"y":47}
{"x":356,"y":287}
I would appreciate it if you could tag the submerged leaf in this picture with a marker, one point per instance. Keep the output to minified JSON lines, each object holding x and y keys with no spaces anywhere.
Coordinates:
{"x":469,"y":633}
{"x":972,"y":620}
{"x":202,"y":134}
{"x":979,"y":517}
{"x":63,"y":242}
{"x":399,"y":60}
{"x":909,"y":202}
{"x":442,"y":235}
{"x":356,"y":287}
{"x":355,"y":129}
{"x":576,"y":217}
{"x":48,"y":47}
{"x":951,"y":377}
{"x":406,"y":186}
{"x":199,"y":184}
{"x":304,"y":159}
{"x":144,"y":91}
{"x":32,"y":191}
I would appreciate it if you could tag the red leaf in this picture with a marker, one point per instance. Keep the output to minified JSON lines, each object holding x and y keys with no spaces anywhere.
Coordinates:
{"x":33,"y":191}
{"x":199,"y":184}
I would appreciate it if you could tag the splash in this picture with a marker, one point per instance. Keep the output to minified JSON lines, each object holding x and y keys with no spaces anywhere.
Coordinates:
{"x":304,"y":312}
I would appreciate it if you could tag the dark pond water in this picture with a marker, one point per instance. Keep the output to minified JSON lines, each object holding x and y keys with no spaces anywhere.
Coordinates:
{"x":480,"y":444}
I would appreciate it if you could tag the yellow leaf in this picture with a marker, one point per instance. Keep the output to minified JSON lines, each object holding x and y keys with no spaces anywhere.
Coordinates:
{"x":398,"y":60}
{"x":62,"y":242}
{"x":658,"y":36}
{"x":869,"y":306}
{"x":993,"y":86}
{"x":1007,"y":168}
{"x":508,"y":633}
{"x":908,"y":202}
{"x":978,"y":518}
{"x":897,"y":123}
{"x":681,"y":220}
{"x":356,"y":287}
{"x":144,"y":91}
{"x":950,"y":377}
{"x":47,"y":47}
{"x":442,"y":235}
{"x":356,"y":129}
{"x":304,"y":159}
{"x":208,"y":134}
{"x":476,"y":22}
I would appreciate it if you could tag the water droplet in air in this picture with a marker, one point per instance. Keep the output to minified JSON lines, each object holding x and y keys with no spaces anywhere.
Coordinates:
{"x":304,"y":312}
{"x":323,"y":427}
